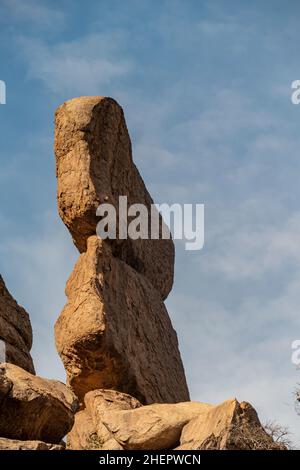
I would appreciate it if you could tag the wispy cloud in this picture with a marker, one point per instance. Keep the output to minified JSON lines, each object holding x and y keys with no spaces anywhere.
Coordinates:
{"x":250,"y":251}
{"x":79,"y":67}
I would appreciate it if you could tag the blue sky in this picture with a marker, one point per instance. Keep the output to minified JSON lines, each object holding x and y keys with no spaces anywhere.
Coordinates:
{"x":205,"y":87}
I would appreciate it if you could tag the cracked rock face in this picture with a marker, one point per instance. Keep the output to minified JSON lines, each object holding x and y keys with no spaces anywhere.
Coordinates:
{"x":114,"y":331}
{"x":94,"y":165}
{"x":33,"y":408}
{"x":15,"y":330}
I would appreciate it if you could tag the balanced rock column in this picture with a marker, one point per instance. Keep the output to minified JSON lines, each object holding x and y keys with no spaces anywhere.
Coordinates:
{"x":114,"y":332}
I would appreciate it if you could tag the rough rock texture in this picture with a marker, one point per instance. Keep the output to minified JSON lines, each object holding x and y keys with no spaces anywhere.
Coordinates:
{"x":94,"y":165}
{"x":115,"y":332}
{"x":32,"y":408}
{"x":150,"y":427}
{"x":12,"y":444}
{"x":88,"y":431}
{"x":116,"y":421}
{"x":15,"y":330}
{"x":228,"y":426}
{"x":83,"y":435}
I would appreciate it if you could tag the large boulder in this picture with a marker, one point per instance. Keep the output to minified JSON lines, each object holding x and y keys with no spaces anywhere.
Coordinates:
{"x":156,"y":426}
{"x":94,"y":165}
{"x":115,"y":421}
{"x":33,"y":408}
{"x":15,"y":331}
{"x":89,"y":432}
{"x":115,"y":332}
{"x":228,"y":426}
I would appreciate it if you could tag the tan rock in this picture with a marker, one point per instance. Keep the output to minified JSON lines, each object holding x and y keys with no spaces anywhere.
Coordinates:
{"x":228,"y":426}
{"x":5,"y":384}
{"x":94,"y":165}
{"x":97,"y":403}
{"x":33,"y":408}
{"x":12,"y":444}
{"x":15,"y":330}
{"x":88,"y":431}
{"x":100,"y":401}
{"x":152,"y":427}
{"x":115,"y":332}
{"x":86,"y":436}
{"x":115,"y":421}
{"x":83,"y":435}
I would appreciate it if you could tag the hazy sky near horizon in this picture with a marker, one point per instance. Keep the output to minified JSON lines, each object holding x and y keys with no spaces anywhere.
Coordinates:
{"x":205,"y":86}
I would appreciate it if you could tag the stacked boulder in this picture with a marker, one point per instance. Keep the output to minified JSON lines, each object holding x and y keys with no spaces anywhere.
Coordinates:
{"x":114,"y":335}
{"x":35,"y":413}
{"x":114,"y":331}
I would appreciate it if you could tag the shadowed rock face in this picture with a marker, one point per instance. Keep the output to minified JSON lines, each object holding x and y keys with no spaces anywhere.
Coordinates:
{"x":15,"y":330}
{"x":94,"y":165}
{"x":115,"y":331}
{"x":33,"y":408}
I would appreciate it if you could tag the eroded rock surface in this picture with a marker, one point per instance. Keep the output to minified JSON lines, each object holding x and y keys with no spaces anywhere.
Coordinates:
{"x":15,"y":330}
{"x":116,"y":421}
{"x":228,"y":426}
{"x":89,"y":432}
{"x":32,"y":408}
{"x":150,"y":427}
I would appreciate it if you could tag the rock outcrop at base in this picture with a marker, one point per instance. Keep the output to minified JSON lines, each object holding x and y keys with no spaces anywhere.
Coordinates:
{"x":115,"y":331}
{"x":228,"y":426}
{"x":115,"y":421}
{"x":32,"y":408}
{"x":13,"y":444}
{"x":15,"y":331}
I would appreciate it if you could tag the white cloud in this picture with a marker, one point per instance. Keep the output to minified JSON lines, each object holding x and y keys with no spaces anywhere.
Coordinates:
{"x":250,"y":251}
{"x":80,"y":67}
